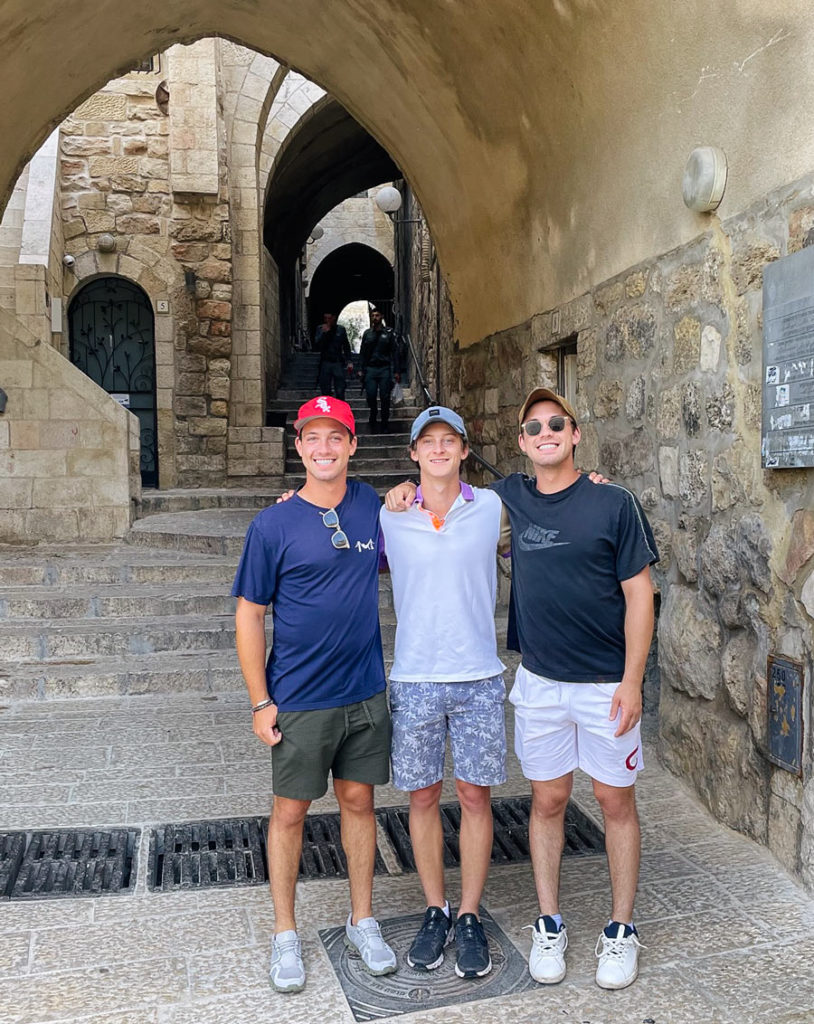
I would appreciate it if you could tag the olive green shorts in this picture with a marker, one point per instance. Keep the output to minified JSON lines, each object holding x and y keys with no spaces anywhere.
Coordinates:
{"x":351,"y":742}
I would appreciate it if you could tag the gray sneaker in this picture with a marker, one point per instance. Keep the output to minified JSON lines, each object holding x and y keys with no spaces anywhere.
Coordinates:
{"x":287,"y":971}
{"x":366,"y":938}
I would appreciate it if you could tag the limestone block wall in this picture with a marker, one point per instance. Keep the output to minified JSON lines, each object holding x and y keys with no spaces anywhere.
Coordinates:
{"x":38,"y":275}
{"x":193,"y":142}
{"x":11,"y":236}
{"x":116,"y":179}
{"x":69,"y":454}
{"x":668,"y":393}
{"x":357,"y":219}
{"x":251,"y":82}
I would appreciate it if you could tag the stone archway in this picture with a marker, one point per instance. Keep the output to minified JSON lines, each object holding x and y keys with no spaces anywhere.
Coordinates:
{"x":505,"y":180}
{"x":350,"y":272}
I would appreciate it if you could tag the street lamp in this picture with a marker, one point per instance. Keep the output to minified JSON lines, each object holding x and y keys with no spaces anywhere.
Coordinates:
{"x":389,"y":201}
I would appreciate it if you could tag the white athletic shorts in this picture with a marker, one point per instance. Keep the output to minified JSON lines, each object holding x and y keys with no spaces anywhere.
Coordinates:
{"x":562,"y":726}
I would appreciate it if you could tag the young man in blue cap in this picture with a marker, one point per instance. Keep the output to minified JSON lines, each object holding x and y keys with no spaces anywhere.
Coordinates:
{"x":446,"y":679}
{"x":319,"y":703}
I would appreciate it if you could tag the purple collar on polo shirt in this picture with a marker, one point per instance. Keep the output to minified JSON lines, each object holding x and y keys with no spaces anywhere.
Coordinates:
{"x":466,"y":493}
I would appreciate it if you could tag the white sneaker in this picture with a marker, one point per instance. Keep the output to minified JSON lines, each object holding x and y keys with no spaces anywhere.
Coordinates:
{"x":618,"y":951}
{"x":366,"y":938}
{"x":548,"y":946}
{"x":287,"y":971}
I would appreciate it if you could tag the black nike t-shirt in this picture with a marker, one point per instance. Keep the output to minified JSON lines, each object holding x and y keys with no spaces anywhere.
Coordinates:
{"x":570,"y":552}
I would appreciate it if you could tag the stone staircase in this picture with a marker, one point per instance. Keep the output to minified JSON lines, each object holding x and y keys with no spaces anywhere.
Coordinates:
{"x":380,"y":460}
{"x":153,"y":614}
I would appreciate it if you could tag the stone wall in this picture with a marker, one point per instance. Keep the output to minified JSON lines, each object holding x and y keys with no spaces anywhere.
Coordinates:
{"x":668,"y":395}
{"x":172,"y":236}
{"x":11,"y":235}
{"x":357,"y":219}
{"x":69,"y":454}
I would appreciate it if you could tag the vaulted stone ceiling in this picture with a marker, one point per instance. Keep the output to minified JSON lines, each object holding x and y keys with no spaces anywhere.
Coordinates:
{"x":326,"y":158}
{"x":545,"y":141}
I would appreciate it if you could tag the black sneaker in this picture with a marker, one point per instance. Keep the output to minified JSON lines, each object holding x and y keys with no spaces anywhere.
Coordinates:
{"x":473,"y":950}
{"x":427,"y":950}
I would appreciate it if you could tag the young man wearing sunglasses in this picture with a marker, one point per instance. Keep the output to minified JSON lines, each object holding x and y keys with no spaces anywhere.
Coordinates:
{"x":319,"y":702}
{"x":583,"y":618}
{"x":446,"y":680}
{"x":583,"y":603}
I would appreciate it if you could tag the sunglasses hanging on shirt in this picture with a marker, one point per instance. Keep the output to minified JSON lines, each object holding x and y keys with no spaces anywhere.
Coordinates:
{"x":338,"y":538}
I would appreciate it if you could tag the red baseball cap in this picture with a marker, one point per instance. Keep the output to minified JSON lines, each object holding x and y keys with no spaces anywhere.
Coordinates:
{"x":325,"y":407}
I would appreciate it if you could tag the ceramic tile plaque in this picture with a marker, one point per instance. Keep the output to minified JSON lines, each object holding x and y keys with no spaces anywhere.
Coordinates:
{"x":785,"y":709}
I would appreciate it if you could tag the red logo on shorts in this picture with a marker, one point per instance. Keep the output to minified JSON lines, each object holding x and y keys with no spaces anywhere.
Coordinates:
{"x":632,"y":760}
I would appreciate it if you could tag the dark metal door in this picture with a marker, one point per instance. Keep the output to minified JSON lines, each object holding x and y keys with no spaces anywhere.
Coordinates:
{"x":113,"y":341}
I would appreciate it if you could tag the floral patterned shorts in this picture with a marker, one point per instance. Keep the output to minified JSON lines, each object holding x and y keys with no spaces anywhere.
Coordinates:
{"x":471,"y":713}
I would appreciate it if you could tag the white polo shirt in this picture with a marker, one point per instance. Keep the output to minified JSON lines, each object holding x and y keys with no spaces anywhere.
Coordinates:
{"x":444,"y":587}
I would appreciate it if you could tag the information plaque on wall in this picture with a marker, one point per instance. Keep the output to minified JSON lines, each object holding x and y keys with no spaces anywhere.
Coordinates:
{"x":788,"y":362}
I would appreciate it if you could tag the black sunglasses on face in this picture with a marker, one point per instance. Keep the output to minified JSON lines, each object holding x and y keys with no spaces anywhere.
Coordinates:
{"x":555,"y":423}
{"x":331,"y":520}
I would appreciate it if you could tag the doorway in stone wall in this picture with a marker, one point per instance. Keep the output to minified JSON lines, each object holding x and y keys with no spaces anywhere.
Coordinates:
{"x":112,"y":339}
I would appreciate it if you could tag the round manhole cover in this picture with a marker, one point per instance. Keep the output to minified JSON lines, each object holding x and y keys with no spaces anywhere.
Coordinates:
{"x":407,"y":989}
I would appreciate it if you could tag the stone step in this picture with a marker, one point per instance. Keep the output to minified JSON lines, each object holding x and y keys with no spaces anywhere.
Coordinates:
{"x":208,"y":531}
{"x":290,"y":399}
{"x":191,"y":500}
{"x":380,"y":481}
{"x":125,"y":637}
{"x":166,"y":672}
{"x":109,"y":564}
{"x":363,"y":464}
{"x":84,"y":641}
{"x":112,"y":601}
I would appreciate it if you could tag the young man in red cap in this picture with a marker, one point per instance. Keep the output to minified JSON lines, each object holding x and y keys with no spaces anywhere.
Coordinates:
{"x":320,"y":701}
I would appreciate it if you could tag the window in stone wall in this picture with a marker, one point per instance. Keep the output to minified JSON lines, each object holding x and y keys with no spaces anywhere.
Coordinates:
{"x":149,"y":66}
{"x":567,"y":368}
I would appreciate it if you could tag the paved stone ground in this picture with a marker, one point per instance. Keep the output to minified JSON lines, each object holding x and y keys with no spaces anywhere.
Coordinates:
{"x":729,"y":936}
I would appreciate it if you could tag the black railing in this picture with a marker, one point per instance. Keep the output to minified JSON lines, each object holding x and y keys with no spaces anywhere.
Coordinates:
{"x":479,"y":459}
{"x":428,"y":399}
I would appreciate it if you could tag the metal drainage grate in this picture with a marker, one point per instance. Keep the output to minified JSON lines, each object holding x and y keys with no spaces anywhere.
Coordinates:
{"x":511,"y":832}
{"x":208,"y":854}
{"x":322,"y":853}
{"x":72,"y":862}
{"x":12,"y":848}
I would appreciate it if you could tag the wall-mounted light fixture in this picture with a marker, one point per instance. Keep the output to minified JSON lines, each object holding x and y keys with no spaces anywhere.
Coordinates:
{"x":316,"y":234}
{"x":389,"y":201}
{"x":704,"y":179}
{"x":190,"y":280}
{"x":106,"y":243}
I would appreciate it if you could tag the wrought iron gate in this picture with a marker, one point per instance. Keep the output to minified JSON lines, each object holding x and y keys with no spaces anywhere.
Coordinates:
{"x":112,"y":341}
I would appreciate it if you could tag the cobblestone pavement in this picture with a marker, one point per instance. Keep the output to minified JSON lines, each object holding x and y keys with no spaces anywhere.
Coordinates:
{"x":729,"y":936}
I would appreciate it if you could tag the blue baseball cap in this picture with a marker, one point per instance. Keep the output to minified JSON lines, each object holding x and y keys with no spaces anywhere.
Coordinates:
{"x":437,"y":414}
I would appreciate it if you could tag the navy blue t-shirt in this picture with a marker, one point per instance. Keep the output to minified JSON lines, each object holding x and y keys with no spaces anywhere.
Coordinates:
{"x":570,"y":552}
{"x":326,"y":648}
